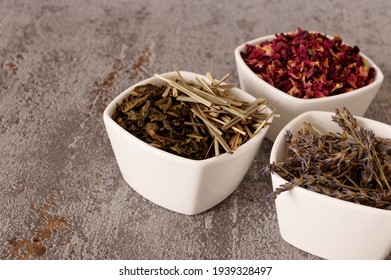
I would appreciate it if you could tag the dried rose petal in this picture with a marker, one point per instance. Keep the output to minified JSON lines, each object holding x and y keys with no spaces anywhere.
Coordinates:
{"x":309,"y":65}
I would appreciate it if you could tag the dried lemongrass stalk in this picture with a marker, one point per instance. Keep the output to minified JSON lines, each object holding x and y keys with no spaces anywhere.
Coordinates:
{"x":212,"y":104}
{"x":179,"y":87}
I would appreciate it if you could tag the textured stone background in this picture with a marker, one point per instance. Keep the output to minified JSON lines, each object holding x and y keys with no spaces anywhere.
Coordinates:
{"x":62,"y":62}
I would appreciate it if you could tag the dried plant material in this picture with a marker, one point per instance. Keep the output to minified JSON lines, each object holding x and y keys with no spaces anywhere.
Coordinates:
{"x":309,"y":65}
{"x":197,"y":120}
{"x":353,"y":165}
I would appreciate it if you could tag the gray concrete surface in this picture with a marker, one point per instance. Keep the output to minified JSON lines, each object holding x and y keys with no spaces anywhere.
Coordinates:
{"x":62,"y":62}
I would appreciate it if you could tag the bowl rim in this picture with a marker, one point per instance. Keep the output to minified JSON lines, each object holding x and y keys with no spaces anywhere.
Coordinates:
{"x":108,"y":120}
{"x":280,"y":142}
{"x":379,"y":77}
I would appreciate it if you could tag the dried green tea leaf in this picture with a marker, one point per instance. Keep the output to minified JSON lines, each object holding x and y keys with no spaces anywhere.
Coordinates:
{"x":189,"y":118}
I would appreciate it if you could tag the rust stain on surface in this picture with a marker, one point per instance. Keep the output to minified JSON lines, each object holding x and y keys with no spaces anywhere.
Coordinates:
{"x":108,"y":80}
{"x":102,"y":88}
{"x":48,"y":225}
{"x":12,"y":64}
{"x":8,"y":68}
{"x":143,"y":58}
{"x":12,"y":67}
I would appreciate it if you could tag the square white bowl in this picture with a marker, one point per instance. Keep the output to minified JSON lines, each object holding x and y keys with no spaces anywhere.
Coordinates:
{"x":325,"y":226}
{"x":356,"y":101}
{"x":182,"y":185}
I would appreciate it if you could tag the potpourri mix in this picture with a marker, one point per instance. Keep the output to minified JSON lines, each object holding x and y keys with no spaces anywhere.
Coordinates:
{"x":195,"y":120}
{"x":309,"y":65}
{"x":353,"y":165}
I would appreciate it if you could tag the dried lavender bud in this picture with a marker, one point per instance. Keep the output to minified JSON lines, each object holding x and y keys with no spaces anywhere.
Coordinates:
{"x":353,"y":165}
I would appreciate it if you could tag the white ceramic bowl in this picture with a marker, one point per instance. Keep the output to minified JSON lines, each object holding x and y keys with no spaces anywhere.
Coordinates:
{"x":324,"y":226}
{"x":183,"y":185}
{"x":288,"y":107}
